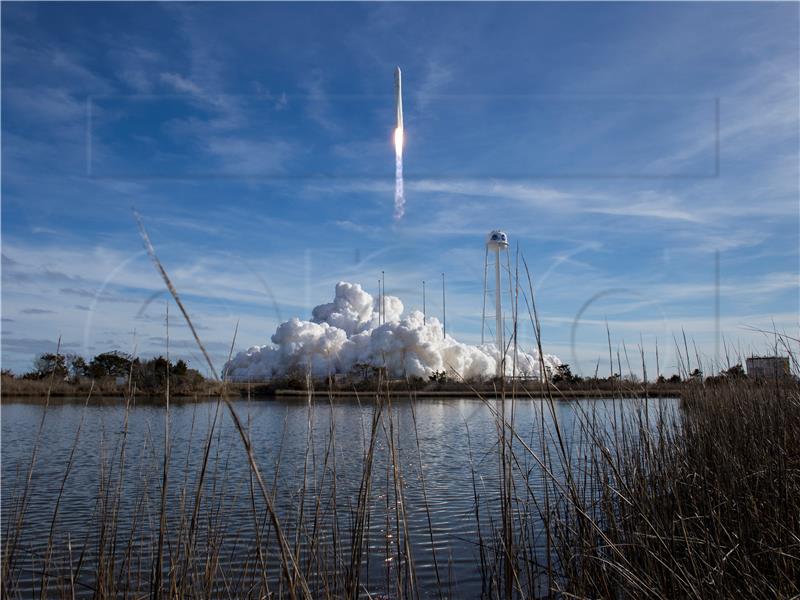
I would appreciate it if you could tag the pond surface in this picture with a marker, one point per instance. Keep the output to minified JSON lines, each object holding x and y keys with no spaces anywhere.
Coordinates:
{"x":435,"y":480}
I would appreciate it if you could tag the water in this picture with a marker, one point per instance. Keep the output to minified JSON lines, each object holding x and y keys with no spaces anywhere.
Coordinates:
{"x":304,"y":453}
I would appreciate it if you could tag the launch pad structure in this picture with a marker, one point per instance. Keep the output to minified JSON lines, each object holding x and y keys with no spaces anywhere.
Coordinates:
{"x":496,"y":248}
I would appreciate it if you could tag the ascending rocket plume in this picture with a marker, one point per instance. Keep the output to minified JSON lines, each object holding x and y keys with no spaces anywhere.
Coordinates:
{"x":399,"y":194}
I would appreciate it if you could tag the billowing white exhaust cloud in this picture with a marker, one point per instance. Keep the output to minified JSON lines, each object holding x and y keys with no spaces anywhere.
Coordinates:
{"x":346,"y":332}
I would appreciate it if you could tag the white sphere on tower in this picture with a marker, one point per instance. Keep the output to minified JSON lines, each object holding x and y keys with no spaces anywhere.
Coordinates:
{"x":497,"y":240}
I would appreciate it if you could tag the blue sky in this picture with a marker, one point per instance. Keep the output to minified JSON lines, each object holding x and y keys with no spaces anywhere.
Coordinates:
{"x":619,"y":145}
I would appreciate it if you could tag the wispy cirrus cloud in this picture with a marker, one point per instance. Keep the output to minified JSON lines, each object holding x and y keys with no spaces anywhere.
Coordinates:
{"x":180,"y":83}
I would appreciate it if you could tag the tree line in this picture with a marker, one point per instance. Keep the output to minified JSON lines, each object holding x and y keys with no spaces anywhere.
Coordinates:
{"x":563,"y":373}
{"x":146,"y":374}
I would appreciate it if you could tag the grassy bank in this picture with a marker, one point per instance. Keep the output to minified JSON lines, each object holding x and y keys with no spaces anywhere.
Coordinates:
{"x":40,"y":388}
{"x":12,"y":386}
{"x":708,"y":509}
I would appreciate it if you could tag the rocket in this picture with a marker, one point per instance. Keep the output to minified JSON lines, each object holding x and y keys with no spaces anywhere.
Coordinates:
{"x":399,"y":97}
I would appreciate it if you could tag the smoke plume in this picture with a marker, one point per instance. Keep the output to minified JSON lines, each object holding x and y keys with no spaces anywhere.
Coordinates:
{"x":346,"y":334}
{"x":399,"y":193}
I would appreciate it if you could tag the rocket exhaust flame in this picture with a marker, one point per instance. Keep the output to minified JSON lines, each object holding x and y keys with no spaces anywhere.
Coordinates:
{"x":399,"y":193}
{"x":398,"y":141}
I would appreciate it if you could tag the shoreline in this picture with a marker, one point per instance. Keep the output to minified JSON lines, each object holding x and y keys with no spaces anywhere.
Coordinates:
{"x":264,"y":391}
{"x":518,"y":393}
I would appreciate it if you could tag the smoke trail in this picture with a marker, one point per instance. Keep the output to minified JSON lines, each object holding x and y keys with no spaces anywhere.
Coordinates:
{"x":399,"y":193}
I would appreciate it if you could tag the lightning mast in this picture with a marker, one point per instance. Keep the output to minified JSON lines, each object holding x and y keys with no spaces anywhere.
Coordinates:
{"x":424,"y":310}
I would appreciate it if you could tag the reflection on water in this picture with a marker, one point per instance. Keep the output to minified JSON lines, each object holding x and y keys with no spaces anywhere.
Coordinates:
{"x":308,"y":455}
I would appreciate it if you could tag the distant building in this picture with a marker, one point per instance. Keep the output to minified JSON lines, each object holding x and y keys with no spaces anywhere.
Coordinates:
{"x":768,"y":367}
